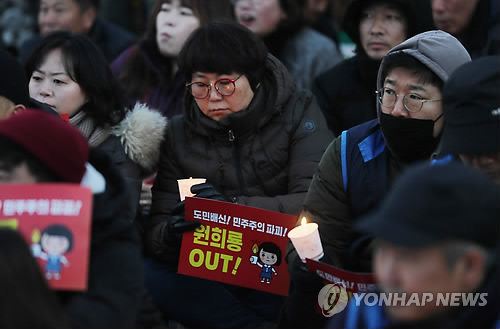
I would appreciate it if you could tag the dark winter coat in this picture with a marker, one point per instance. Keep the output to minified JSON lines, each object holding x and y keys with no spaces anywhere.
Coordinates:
{"x":346,"y":93}
{"x":470,"y":316}
{"x":327,"y":200}
{"x":265,"y":156}
{"x":166,"y":96}
{"x":133,"y":145}
{"x":110,"y":38}
{"x":481,"y":37}
{"x":115,"y":279}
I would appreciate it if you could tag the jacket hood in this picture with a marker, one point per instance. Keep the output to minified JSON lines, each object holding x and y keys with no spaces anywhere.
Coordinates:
{"x":275,"y":89}
{"x":441,"y":52}
{"x":141,"y":133}
{"x":285,"y":84}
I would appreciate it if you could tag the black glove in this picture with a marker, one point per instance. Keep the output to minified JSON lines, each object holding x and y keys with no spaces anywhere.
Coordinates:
{"x":177,"y":226}
{"x":299,"y":273}
{"x":299,"y":309}
{"x":208,"y":191}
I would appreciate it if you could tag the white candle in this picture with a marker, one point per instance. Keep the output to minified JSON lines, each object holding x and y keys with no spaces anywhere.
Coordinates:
{"x":306,"y":240}
{"x":185,"y":186}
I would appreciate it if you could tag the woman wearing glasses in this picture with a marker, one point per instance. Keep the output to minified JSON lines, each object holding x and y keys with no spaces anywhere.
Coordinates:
{"x":147,"y":71}
{"x":257,"y":141}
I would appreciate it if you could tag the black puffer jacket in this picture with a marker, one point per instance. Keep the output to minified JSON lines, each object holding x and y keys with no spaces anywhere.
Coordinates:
{"x":264,"y":156}
{"x":115,"y":279}
{"x":346,"y":93}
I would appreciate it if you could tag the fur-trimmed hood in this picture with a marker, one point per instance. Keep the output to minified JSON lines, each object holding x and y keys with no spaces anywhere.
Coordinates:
{"x":141,"y":133}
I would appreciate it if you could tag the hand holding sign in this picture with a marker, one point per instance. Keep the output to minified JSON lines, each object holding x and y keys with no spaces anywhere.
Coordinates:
{"x":177,"y":226}
{"x":208,"y":191}
{"x":237,"y":245}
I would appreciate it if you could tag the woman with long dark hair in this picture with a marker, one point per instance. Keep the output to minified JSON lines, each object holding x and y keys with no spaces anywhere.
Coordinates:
{"x":148,"y":70}
{"x":70,"y":74}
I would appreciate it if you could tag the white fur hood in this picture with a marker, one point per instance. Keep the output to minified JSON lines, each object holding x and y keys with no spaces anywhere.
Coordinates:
{"x":141,"y":133}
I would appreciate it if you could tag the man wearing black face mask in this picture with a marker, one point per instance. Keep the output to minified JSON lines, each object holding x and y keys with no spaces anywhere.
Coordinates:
{"x":360,"y":165}
{"x":410,"y":112}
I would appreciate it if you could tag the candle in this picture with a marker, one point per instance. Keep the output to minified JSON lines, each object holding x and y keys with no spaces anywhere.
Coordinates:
{"x":306,"y":240}
{"x":185,"y":186}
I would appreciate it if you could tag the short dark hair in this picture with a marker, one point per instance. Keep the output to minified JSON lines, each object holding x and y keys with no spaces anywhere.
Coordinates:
{"x":12,"y":155}
{"x":59,"y":230}
{"x":87,"y":66}
{"x":86,"y":4}
{"x":224,"y":47}
{"x":419,"y":70}
{"x":272,"y":248}
{"x":294,"y":10}
{"x":354,"y":13}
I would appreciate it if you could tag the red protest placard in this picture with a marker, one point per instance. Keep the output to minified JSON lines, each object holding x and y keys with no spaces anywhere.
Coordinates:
{"x":236,"y":244}
{"x":350,"y":281}
{"x":55,"y":221}
{"x":354,"y":282}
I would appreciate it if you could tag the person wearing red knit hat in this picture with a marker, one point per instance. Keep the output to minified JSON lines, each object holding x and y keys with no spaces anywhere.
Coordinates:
{"x":37,"y":147}
{"x":30,"y":132}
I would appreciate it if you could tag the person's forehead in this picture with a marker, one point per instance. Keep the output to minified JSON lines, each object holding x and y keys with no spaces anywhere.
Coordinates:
{"x":401,"y":72}
{"x":455,"y":4}
{"x":314,"y":3}
{"x":412,"y":77}
{"x":382,"y":6}
{"x":434,"y":248}
{"x":209,"y":75}
{"x":58,"y":2}
{"x":20,"y":174}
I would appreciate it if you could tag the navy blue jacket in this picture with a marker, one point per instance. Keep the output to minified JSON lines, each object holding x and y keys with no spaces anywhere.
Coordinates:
{"x":110,"y":38}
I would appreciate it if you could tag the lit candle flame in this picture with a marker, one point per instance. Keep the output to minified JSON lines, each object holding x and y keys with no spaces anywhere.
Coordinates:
{"x":255,"y":248}
{"x":304,"y":221}
{"x":35,"y":236}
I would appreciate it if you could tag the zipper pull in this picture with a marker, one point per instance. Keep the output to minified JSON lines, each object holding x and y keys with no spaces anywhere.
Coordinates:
{"x":231,"y":136}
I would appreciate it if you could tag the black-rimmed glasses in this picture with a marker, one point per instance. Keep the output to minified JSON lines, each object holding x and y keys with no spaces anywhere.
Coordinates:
{"x":225,"y":87}
{"x":412,"y":102}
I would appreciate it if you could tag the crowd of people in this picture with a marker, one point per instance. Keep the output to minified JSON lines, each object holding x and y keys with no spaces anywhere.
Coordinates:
{"x":393,"y":151}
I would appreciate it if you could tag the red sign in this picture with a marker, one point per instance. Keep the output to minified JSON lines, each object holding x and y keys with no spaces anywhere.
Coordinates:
{"x":55,"y":221}
{"x":238,"y":245}
{"x":354,"y":282}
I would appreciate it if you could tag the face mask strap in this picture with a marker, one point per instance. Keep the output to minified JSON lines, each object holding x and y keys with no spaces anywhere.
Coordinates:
{"x":439,"y":117}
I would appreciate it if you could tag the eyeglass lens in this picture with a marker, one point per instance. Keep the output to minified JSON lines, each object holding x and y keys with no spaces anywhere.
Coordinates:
{"x":412,"y":102}
{"x":225,"y":87}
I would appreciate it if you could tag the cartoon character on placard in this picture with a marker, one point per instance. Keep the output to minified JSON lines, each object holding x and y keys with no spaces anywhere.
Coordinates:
{"x":269,"y":255}
{"x":51,"y":245}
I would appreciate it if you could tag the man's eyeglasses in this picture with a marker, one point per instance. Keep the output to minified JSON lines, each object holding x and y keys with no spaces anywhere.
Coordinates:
{"x":412,"y":102}
{"x":225,"y":87}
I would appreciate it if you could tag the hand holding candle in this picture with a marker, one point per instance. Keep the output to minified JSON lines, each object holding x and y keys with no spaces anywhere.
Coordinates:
{"x":306,"y":240}
{"x":185,"y":186}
